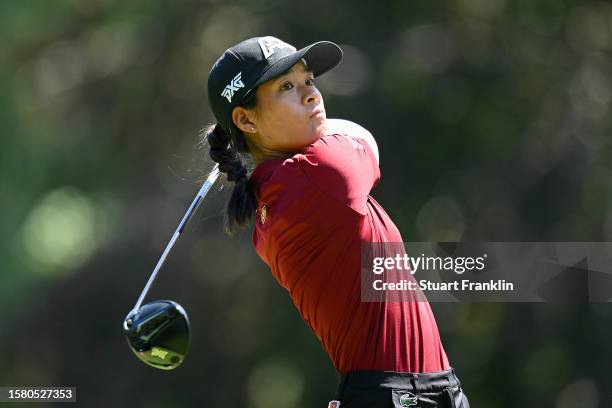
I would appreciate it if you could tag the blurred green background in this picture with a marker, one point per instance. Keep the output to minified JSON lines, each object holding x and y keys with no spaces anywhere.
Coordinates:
{"x":493,"y":122}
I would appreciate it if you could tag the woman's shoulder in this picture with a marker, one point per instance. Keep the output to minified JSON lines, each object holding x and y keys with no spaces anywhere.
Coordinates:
{"x":340,"y":158}
{"x":336,"y":166}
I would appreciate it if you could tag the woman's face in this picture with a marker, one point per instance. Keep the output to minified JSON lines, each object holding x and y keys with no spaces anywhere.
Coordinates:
{"x":288,"y":117}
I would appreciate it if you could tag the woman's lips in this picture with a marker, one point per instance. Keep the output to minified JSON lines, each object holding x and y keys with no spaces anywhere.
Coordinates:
{"x":316,"y":113}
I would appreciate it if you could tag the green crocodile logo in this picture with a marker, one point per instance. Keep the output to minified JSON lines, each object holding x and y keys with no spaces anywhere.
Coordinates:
{"x":408,"y":400}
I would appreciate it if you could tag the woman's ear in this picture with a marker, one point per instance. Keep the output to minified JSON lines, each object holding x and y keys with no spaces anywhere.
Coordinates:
{"x":244,"y":119}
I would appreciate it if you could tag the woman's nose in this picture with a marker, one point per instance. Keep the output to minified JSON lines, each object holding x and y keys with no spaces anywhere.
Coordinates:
{"x":311,"y":96}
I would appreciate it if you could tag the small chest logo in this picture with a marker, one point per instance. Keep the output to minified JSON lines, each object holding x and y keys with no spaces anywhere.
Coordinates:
{"x":263,"y":214}
{"x":408,"y":400}
{"x":231,"y":88}
{"x":355,"y":143}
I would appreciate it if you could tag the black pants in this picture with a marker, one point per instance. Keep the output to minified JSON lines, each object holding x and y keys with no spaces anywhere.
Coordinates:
{"x":387,"y":389}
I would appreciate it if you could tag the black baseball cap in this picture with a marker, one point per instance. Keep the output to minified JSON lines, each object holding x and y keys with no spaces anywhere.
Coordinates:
{"x":252,"y":62}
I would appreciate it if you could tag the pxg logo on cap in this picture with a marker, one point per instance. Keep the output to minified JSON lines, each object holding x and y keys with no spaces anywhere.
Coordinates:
{"x":235,"y":84}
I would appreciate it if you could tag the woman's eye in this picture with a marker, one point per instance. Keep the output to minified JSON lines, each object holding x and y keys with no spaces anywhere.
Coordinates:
{"x":288,"y":85}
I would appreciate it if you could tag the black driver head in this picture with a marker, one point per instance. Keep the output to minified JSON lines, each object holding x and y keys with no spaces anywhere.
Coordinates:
{"x":158,"y":333}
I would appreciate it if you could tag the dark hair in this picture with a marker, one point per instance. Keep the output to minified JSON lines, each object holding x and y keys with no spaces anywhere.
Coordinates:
{"x":226,"y":150}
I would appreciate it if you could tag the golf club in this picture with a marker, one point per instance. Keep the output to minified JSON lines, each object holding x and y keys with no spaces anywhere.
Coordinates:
{"x":158,"y":332}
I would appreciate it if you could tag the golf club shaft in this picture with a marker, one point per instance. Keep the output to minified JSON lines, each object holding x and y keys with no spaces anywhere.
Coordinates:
{"x":212,"y":177}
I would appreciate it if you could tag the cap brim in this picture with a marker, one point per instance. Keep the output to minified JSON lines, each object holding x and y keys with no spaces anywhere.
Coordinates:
{"x":320,"y":58}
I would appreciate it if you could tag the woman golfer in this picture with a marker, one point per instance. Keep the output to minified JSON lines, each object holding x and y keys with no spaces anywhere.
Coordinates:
{"x":309,"y":197}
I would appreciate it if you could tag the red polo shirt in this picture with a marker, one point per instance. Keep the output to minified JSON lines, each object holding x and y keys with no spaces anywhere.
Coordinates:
{"x":314,"y":212}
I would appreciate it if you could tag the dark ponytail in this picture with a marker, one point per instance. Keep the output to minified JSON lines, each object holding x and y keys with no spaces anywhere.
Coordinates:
{"x":242,"y":204}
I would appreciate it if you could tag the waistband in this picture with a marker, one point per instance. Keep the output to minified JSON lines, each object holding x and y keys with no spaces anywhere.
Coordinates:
{"x":413,"y":382}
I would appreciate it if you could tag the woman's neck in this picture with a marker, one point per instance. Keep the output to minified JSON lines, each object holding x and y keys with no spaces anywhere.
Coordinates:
{"x":261,"y":154}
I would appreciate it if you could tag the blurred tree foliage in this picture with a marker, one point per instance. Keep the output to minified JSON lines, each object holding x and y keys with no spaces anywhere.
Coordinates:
{"x":493,"y":120}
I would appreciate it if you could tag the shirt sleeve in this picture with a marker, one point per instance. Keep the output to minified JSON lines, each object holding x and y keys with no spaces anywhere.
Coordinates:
{"x":343,"y":167}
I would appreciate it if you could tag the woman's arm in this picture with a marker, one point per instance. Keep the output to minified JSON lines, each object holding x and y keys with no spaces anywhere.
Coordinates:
{"x":343,"y":126}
